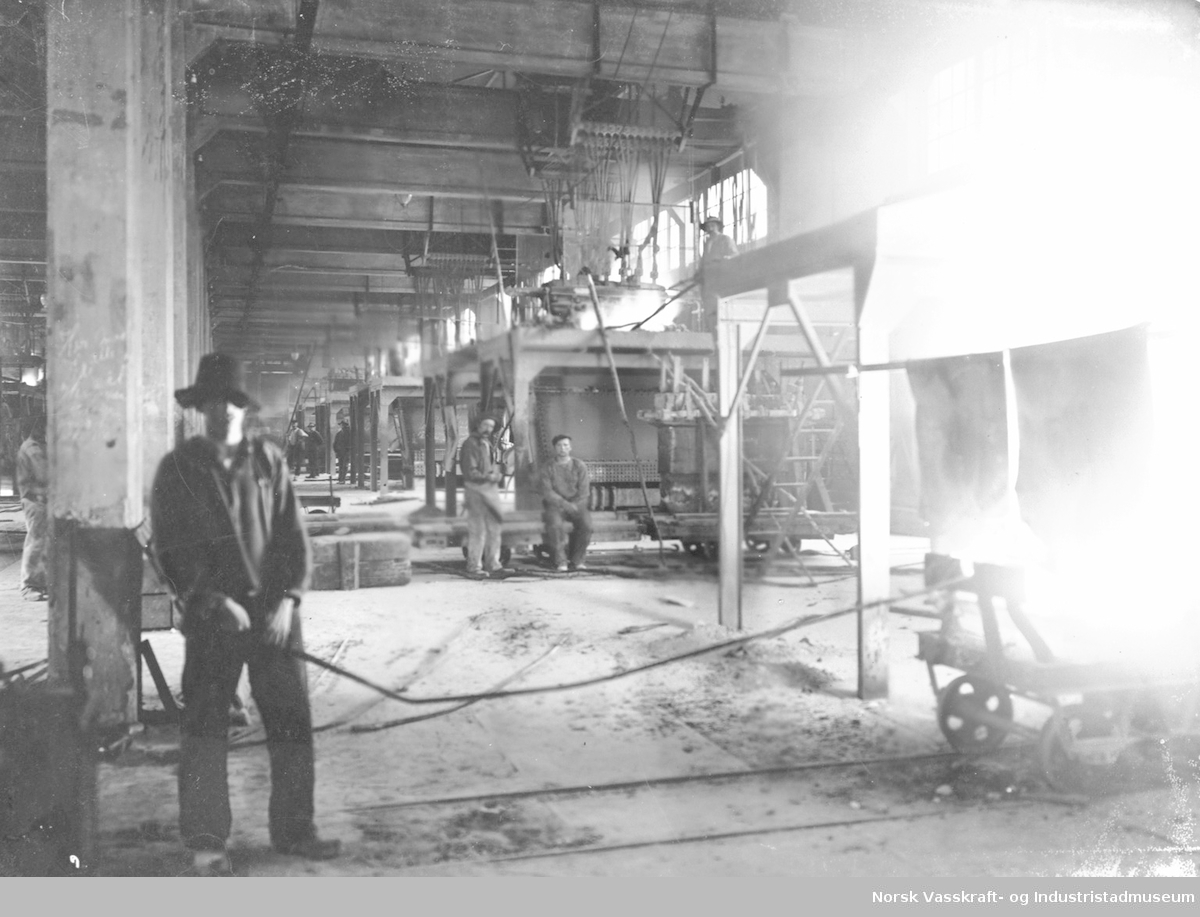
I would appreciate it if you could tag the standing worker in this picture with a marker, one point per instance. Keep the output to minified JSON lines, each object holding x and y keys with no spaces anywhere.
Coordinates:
{"x":229,"y":538}
{"x":295,"y":446}
{"x":315,"y":447}
{"x":717,"y":247}
{"x":33,"y":479}
{"x":565,"y":485}
{"x":341,"y":449}
{"x":481,"y":479}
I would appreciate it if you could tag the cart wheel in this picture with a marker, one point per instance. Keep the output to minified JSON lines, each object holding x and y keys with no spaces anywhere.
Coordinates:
{"x":959,"y":709}
{"x":1062,"y":766}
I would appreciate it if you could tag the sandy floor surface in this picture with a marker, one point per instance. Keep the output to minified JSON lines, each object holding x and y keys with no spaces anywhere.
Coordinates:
{"x":757,"y":759}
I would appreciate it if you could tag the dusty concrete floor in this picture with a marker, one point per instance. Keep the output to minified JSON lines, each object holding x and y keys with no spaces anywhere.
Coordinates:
{"x":756,"y":761}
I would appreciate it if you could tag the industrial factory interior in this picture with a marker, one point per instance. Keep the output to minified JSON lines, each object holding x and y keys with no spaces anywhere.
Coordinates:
{"x":618,"y":438}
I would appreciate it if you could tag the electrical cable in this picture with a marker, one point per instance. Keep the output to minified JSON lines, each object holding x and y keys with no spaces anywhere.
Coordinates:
{"x":621,"y":58}
{"x":377,"y":727}
{"x":612,"y":365}
{"x":657,"y":51}
{"x":794,"y":624}
{"x":777,"y":631}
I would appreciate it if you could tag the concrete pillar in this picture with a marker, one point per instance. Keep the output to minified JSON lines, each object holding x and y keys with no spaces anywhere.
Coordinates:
{"x":111,"y":159}
{"x":187,"y":261}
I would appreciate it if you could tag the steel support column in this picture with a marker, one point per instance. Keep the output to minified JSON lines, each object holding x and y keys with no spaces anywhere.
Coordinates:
{"x":430,"y":450}
{"x":874,"y":513}
{"x":729,"y":505}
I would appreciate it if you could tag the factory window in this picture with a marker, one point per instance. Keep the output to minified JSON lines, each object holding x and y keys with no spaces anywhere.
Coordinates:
{"x":951,"y":115}
{"x":464,"y":329}
{"x":977,"y":100}
{"x":740,"y":200}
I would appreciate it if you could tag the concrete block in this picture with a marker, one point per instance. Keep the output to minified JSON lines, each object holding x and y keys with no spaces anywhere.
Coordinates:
{"x":361,"y":560}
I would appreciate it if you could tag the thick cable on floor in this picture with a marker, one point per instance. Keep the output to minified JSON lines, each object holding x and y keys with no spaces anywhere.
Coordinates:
{"x":794,"y":624}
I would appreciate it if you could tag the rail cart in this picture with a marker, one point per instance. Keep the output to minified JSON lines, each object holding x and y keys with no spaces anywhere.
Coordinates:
{"x":1105,"y":717}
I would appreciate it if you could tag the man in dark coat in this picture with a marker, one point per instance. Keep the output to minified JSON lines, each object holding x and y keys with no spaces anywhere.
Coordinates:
{"x":341,"y":449}
{"x":228,"y":535}
{"x":315,"y":447}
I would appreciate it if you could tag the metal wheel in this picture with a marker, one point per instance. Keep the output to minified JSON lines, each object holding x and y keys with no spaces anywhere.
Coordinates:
{"x":973,"y":714}
{"x":1067,"y":765}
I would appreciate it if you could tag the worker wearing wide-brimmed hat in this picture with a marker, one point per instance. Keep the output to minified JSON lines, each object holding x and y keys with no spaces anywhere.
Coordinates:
{"x":481,"y":474}
{"x":717,"y":247}
{"x":228,"y":536}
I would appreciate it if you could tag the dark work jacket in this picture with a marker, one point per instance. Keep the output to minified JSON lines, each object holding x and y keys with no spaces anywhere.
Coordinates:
{"x":235,"y":533}
{"x":477,"y":461}
{"x":341,"y":442}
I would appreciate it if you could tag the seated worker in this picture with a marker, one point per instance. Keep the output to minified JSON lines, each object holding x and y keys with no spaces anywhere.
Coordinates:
{"x":565,"y":485}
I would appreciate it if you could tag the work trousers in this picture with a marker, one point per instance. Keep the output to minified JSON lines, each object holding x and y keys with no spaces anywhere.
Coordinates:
{"x":483,"y":532}
{"x":343,"y":462}
{"x":212,"y":665}
{"x":555,"y":518}
{"x":33,"y":555}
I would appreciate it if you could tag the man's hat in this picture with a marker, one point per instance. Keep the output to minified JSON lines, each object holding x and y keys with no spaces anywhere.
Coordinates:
{"x":219,"y":376}
{"x":707,"y":220}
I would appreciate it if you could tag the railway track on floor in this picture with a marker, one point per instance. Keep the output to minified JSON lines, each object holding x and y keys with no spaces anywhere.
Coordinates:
{"x":650,"y":782}
{"x":631,"y":795}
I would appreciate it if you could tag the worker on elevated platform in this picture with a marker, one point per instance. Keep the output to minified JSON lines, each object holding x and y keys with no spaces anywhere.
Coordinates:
{"x":717,"y":247}
{"x":565,"y":486}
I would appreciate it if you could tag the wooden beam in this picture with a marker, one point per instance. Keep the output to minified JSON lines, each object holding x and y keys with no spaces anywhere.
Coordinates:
{"x":848,"y":243}
{"x":399,"y":168}
{"x":673,"y":45}
{"x":321,"y":241}
{"x":362,"y":100}
{"x":356,"y":208}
